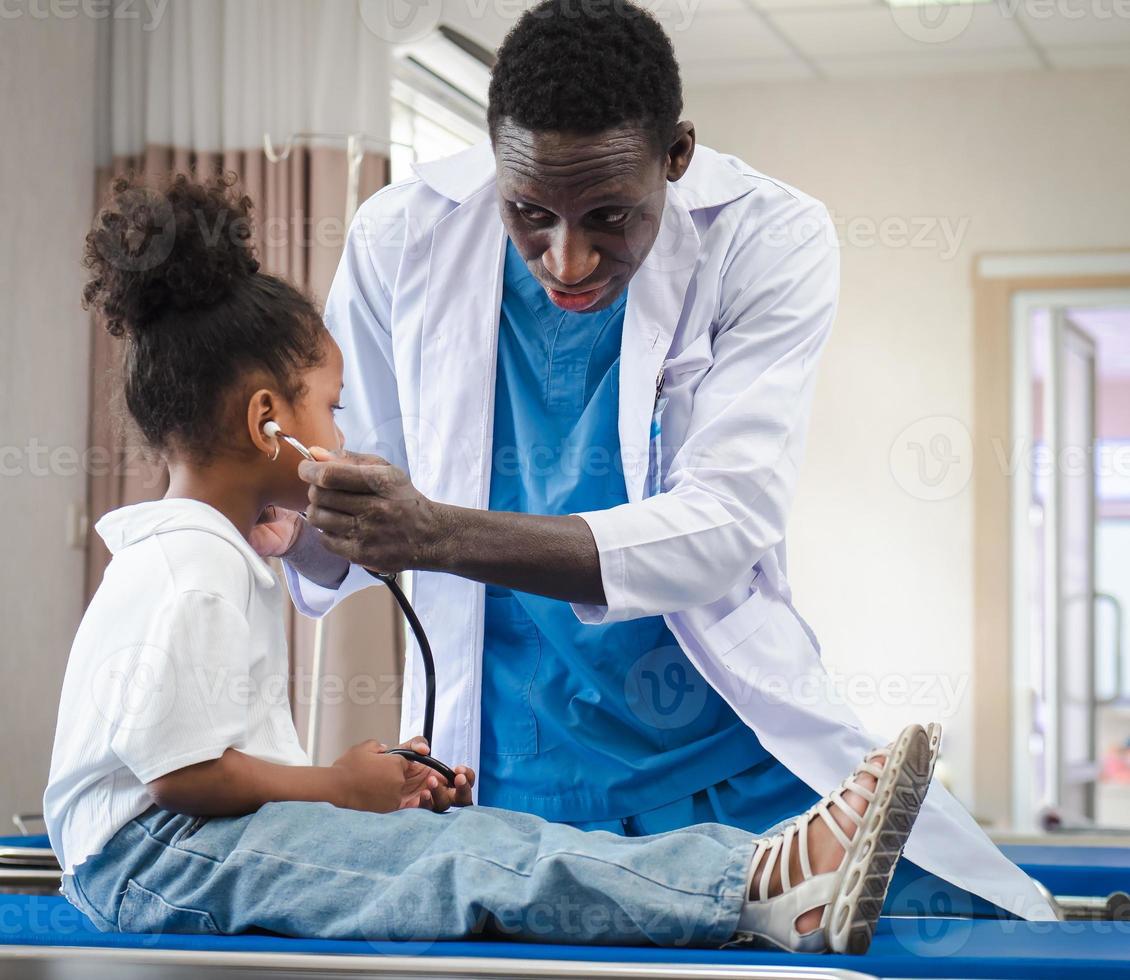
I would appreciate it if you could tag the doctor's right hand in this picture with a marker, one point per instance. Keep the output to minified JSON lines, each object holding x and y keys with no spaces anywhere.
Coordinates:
{"x":369,"y":779}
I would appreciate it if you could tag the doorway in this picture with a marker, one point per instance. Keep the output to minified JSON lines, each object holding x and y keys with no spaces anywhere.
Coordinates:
{"x":1069,"y":467}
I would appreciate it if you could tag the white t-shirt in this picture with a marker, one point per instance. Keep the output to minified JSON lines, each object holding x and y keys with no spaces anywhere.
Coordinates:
{"x":180,"y":656}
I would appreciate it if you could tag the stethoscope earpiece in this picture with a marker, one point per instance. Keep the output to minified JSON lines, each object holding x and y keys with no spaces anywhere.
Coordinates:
{"x":272,"y":430}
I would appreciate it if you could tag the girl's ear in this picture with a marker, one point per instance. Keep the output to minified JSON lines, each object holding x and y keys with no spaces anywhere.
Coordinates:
{"x":262,"y":407}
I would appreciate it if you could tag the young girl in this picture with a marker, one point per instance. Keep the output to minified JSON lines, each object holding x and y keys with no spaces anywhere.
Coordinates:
{"x":180,"y":798}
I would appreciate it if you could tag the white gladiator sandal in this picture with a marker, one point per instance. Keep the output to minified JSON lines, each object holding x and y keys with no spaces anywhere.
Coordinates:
{"x":851,"y":896}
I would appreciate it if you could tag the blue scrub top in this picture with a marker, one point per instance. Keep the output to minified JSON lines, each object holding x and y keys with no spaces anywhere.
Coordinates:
{"x":585,"y":723}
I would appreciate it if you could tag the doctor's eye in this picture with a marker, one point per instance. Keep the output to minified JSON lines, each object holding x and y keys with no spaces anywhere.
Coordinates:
{"x":614,"y":217}
{"x":337,"y":408}
{"x":536,"y":216}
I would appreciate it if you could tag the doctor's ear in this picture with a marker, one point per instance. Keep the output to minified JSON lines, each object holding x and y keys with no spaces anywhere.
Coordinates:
{"x":681,"y":150}
{"x":262,"y":408}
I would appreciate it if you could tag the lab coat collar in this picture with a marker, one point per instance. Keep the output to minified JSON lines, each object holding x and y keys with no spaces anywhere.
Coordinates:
{"x":127,"y":525}
{"x":710,"y":181}
{"x":656,"y":295}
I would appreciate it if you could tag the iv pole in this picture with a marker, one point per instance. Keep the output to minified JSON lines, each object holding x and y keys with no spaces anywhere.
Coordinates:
{"x":355,"y":145}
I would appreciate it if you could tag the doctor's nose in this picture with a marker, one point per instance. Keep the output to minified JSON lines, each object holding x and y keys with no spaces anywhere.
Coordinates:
{"x":571,"y":259}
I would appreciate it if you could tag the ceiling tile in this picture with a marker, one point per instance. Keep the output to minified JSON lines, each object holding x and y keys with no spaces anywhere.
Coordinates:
{"x":1079,"y":22}
{"x":930,"y":63}
{"x":711,"y":37}
{"x":745,"y":70}
{"x":872,"y":30}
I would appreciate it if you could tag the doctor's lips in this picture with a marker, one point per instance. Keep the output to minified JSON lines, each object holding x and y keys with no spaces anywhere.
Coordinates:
{"x":577,"y":300}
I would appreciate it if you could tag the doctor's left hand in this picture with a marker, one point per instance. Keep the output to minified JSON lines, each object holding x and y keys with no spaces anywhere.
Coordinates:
{"x":370,"y":513}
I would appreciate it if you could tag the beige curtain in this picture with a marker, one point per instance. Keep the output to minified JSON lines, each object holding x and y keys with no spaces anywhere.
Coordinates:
{"x":300,"y":228}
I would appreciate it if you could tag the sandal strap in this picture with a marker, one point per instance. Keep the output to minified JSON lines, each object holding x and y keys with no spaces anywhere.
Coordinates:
{"x":837,"y":800}
{"x":872,"y":768}
{"x":805,"y":863}
{"x":773,"y":848}
{"x":786,"y":854}
{"x":835,"y":828}
{"x":863,"y":791}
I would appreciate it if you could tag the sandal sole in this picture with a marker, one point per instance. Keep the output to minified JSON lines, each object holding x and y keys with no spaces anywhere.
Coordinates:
{"x":878,"y":843}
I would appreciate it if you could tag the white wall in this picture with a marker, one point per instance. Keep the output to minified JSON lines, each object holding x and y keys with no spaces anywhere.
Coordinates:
{"x":46,"y":201}
{"x":1012,"y":162}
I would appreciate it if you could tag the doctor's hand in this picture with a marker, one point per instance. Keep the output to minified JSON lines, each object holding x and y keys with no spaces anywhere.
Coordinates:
{"x":369,"y":779}
{"x":370,"y":513}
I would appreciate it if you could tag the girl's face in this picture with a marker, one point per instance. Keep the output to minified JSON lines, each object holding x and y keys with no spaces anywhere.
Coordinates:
{"x":314,"y":423}
{"x":310,"y":419}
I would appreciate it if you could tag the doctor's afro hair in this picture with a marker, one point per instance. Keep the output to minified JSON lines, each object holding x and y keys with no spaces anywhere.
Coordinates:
{"x":173,"y":271}
{"x":584,"y":66}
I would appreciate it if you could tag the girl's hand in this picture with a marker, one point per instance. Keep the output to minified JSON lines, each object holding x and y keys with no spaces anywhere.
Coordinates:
{"x":369,"y":779}
{"x":276,"y":532}
{"x":435,"y":794}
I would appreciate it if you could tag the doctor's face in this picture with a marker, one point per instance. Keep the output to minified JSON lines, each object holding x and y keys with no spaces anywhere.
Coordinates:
{"x":584,"y":211}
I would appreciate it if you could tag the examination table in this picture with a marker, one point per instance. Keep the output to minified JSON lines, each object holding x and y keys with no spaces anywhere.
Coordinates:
{"x":930,"y":930}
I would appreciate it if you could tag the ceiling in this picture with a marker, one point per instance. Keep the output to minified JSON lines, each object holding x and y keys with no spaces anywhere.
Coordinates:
{"x":721,"y":41}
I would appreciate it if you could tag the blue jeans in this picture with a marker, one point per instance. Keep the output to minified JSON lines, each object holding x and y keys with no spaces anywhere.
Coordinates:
{"x":311,"y":869}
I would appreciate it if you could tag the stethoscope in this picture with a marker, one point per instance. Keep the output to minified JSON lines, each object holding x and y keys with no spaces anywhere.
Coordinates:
{"x":272,"y":430}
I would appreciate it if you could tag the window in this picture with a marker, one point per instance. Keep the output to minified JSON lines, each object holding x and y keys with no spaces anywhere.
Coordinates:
{"x":423,"y":128}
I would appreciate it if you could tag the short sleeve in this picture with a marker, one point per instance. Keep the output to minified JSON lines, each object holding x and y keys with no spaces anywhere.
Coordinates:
{"x":181,"y":695}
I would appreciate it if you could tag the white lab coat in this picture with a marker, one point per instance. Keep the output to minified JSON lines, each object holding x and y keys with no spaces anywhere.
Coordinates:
{"x":732,"y":306}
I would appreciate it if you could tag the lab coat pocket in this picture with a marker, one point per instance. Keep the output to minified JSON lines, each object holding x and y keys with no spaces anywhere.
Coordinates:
{"x":737,"y":625}
{"x":145,"y":911}
{"x":692,"y":361}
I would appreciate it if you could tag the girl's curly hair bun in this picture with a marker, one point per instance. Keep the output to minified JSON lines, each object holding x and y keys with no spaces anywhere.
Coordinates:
{"x":184,"y":245}
{"x":173,"y":269}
